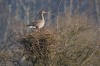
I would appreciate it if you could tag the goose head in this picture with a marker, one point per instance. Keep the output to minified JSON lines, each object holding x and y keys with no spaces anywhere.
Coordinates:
{"x":43,"y":12}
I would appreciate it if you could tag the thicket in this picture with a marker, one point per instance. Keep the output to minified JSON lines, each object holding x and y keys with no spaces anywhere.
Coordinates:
{"x":75,"y":42}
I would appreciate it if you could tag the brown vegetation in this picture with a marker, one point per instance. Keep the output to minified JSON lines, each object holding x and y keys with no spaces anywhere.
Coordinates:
{"x":73,"y":43}
{"x":40,"y":46}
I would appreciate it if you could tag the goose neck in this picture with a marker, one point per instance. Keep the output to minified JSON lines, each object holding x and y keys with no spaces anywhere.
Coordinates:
{"x":42,"y":17}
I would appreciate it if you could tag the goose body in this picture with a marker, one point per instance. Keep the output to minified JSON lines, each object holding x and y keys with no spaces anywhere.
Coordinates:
{"x":38,"y":23}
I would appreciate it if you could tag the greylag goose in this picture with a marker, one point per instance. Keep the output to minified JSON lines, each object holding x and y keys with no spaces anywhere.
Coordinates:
{"x":38,"y":23}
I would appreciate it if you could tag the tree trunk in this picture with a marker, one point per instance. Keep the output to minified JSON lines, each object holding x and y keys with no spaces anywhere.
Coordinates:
{"x":71,"y":6}
{"x":98,"y":10}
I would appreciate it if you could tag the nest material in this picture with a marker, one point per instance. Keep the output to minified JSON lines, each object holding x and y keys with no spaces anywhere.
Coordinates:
{"x":39,"y":44}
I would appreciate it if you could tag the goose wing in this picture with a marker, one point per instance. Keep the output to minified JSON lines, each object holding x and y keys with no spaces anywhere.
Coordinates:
{"x":35,"y":23}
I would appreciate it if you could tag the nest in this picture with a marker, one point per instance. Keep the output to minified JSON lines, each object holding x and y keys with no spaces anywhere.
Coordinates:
{"x":39,"y":44}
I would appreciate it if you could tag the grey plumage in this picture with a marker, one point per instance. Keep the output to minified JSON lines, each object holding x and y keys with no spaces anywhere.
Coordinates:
{"x":38,"y":23}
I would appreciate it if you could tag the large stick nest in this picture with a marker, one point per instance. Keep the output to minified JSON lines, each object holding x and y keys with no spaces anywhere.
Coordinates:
{"x":40,"y":43}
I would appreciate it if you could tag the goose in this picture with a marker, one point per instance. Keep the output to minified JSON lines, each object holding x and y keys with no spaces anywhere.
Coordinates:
{"x":38,"y":23}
